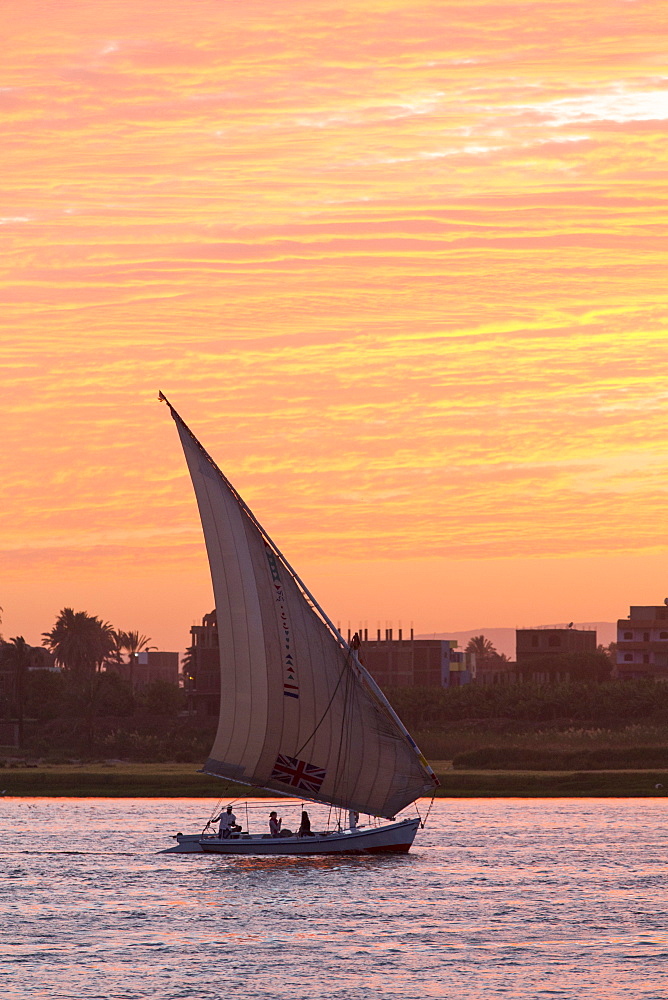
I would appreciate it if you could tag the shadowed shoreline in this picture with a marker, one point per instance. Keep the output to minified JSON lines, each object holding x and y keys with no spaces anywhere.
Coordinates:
{"x":125,"y":780}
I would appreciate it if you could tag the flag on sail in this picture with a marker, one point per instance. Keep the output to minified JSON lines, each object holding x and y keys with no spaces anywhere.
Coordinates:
{"x":298,"y":774}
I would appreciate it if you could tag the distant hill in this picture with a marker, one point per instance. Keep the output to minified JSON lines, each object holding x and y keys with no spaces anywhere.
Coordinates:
{"x":504,"y":638}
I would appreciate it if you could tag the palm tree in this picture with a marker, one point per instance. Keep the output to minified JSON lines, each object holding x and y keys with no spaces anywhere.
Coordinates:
{"x":483,"y":648}
{"x":115,"y":657}
{"x":80,"y":642}
{"x":17,"y":654}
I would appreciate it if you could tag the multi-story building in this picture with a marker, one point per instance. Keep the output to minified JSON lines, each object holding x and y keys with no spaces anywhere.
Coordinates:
{"x":642,"y":643}
{"x":543,"y":654}
{"x":202,"y":668}
{"x":534,"y":643}
{"x":409,"y":662}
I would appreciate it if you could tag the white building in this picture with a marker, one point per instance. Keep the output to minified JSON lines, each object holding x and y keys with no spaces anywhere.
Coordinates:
{"x":642,"y":643}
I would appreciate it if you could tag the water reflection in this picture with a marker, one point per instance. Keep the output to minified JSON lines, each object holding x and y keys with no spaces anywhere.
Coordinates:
{"x":497,"y":899}
{"x":304,"y":865}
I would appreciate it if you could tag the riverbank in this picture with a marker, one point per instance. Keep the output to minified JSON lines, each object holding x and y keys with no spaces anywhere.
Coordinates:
{"x":118,"y":779}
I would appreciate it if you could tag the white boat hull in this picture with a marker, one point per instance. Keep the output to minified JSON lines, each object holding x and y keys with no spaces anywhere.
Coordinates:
{"x":395,"y":838}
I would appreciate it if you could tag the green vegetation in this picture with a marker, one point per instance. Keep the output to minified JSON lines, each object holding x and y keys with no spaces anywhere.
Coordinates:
{"x":575,"y":703}
{"x":142,"y":737}
{"x":80,"y":642}
{"x":114,"y":780}
{"x":15,"y":657}
{"x":557,"y":727}
{"x":91,"y":708}
{"x":502,"y":735}
{"x":553,"y":719}
{"x":529,"y":759}
{"x":120,"y":779}
{"x":553,"y":784}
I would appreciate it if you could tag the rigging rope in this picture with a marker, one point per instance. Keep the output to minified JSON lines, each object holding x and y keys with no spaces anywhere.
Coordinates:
{"x":423,"y":822}
{"x":306,"y":742}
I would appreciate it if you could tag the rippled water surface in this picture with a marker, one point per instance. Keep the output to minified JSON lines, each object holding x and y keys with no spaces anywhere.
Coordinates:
{"x":499,"y":898}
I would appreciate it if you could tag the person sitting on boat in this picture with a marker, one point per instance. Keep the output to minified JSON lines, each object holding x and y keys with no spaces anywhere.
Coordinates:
{"x":305,"y":826}
{"x":275,"y":824}
{"x":228,"y":823}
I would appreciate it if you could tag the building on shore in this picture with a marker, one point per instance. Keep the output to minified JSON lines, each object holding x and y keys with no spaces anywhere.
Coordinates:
{"x":533,"y":643}
{"x":552,"y":655}
{"x":156,"y":665}
{"x":146,"y":667}
{"x":410,"y":662}
{"x":400,"y":662}
{"x":642,"y":643}
{"x":201,"y":669}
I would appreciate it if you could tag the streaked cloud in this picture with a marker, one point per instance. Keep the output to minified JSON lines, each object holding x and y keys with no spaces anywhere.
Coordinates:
{"x":401,"y":267}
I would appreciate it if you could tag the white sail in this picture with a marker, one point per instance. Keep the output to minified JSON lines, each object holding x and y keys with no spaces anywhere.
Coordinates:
{"x":298,"y":713}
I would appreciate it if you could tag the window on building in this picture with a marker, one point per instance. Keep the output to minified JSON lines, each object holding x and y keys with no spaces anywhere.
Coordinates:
{"x":663,"y":635}
{"x":645,"y":637}
{"x":554,"y":640}
{"x":628,"y":657}
{"x":628,"y":635}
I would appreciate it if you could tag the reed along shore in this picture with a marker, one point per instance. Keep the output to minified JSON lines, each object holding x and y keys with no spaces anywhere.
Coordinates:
{"x":164,"y":780}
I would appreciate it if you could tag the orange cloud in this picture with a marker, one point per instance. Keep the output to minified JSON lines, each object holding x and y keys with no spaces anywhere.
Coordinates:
{"x":401,"y":266}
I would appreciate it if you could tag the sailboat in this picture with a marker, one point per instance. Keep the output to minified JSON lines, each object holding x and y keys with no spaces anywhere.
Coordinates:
{"x":300,"y":716}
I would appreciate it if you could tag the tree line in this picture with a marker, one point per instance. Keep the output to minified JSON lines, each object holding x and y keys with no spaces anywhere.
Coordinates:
{"x":95,"y":678}
{"x":617,"y":702}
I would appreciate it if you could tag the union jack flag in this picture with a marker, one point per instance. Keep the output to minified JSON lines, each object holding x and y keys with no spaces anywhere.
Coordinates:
{"x":298,"y":774}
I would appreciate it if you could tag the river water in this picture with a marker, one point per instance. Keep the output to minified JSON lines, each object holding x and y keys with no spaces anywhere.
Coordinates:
{"x":499,"y":898}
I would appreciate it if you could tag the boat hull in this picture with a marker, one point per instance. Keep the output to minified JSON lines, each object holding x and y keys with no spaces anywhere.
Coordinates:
{"x":393,"y":839}
{"x":396,"y":838}
{"x":186,"y":843}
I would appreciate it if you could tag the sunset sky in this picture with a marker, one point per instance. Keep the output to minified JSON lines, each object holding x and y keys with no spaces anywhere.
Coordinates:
{"x":400,"y":265}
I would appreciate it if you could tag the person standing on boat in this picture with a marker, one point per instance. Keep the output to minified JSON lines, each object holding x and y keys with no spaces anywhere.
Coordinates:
{"x":353,"y":817}
{"x":227,"y":823}
{"x":275,"y":824}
